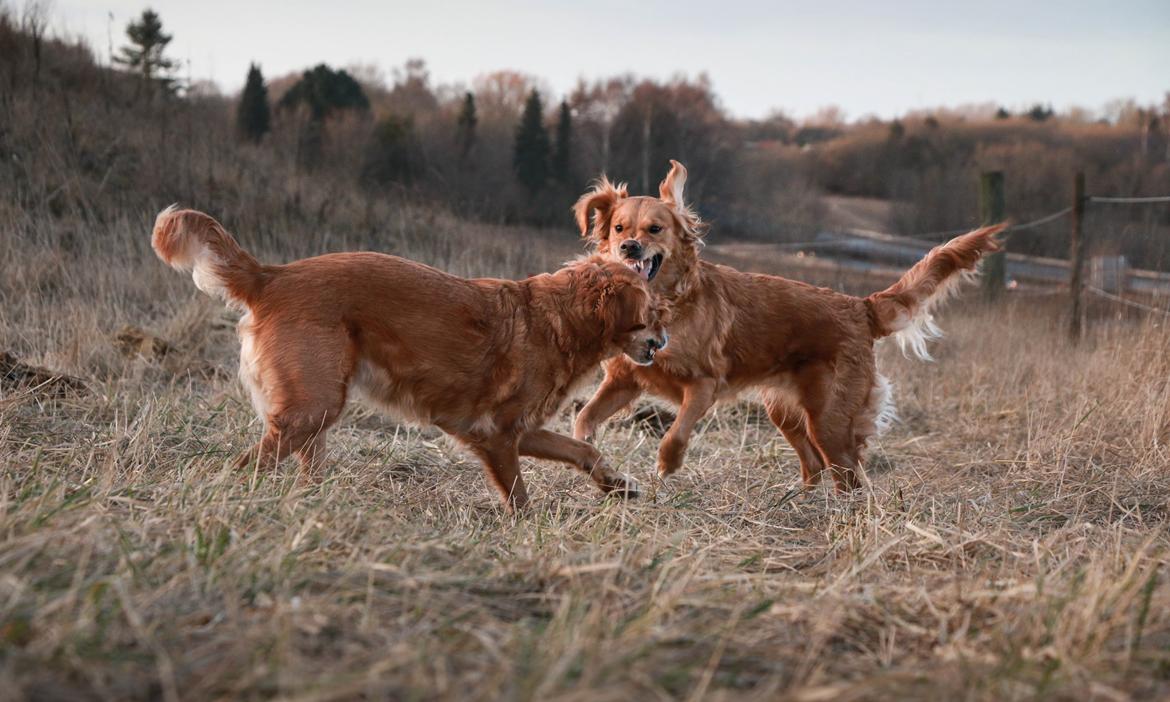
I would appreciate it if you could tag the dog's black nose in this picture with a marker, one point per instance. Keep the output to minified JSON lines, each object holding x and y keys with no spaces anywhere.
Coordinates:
{"x":631,"y":249}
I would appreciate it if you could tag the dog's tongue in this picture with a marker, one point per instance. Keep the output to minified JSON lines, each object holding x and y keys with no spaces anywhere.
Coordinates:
{"x":642,"y":268}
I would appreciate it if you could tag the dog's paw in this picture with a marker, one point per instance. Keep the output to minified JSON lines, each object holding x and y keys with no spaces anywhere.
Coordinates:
{"x":670,"y":458}
{"x":624,"y":487}
{"x":670,"y":453}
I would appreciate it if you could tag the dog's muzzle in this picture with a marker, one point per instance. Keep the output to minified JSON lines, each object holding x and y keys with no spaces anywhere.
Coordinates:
{"x":653,"y":346}
{"x":631,"y":249}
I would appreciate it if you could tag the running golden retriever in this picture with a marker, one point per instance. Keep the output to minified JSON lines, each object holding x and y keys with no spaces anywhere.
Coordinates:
{"x":487,"y":361}
{"x":809,"y":351}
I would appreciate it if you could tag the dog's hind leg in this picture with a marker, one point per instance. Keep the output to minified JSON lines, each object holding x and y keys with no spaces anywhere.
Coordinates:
{"x":790,"y":420}
{"x":552,"y":446}
{"x":834,"y":437}
{"x":830,"y":422}
{"x":273,"y":448}
{"x":291,"y":433}
{"x":301,"y":394}
{"x":617,"y":391}
{"x":832,"y":395}
{"x":311,"y":454}
{"x":501,"y":462}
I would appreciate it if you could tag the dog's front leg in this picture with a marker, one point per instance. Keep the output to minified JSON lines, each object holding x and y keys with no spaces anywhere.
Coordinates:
{"x":697,"y":399}
{"x":617,"y":391}
{"x":542,"y":443}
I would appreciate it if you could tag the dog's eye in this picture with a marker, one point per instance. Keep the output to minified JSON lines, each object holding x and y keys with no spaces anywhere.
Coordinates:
{"x":618,"y":228}
{"x":654,"y":228}
{"x":636,"y":328}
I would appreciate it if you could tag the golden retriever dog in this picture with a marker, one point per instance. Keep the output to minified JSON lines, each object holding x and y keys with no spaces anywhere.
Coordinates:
{"x":808,"y":351}
{"x":487,"y":361}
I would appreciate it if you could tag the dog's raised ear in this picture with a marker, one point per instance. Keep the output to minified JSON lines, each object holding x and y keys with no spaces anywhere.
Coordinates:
{"x":670,"y":190}
{"x":601,"y":198}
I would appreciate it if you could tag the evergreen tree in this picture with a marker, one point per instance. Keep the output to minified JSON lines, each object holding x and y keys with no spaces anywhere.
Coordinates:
{"x":324,"y":90}
{"x":465,"y":127}
{"x":562,"y":155}
{"x":252,"y":116}
{"x":531,"y":154}
{"x":390,"y":155}
{"x":1040,"y":113}
{"x":144,"y":54}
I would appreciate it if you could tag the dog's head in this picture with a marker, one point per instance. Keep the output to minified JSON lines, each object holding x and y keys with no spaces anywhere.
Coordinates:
{"x":656,"y":237}
{"x":634,"y":319}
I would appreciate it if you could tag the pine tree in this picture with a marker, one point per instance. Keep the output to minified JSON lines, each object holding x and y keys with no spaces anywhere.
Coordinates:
{"x":1039,"y":112}
{"x":465,"y":127}
{"x":144,"y":54}
{"x":562,"y":155}
{"x":531,"y":154}
{"x":390,"y":154}
{"x":324,"y":91}
{"x":252,"y":116}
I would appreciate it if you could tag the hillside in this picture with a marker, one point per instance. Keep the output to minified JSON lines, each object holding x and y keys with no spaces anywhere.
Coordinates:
{"x":86,"y":142}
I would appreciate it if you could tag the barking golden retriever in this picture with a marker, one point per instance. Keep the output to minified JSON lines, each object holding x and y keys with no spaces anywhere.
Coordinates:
{"x":809,"y":351}
{"x":487,"y":361}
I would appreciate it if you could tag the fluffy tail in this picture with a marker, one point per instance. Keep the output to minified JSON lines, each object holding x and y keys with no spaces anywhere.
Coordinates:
{"x":904,"y":309}
{"x":189,"y":240}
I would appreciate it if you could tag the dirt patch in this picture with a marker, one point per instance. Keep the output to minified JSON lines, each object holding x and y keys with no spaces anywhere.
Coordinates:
{"x":17,"y":375}
{"x":134,"y":341}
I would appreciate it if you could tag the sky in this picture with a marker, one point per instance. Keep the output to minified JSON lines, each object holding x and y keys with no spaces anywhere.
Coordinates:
{"x":881,"y":58}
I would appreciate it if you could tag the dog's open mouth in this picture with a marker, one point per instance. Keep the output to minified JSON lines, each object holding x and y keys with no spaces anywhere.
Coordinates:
{"x":647,"y":267}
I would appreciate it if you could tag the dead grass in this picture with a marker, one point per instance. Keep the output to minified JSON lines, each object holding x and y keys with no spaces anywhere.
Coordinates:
{"x":1012,"y":542}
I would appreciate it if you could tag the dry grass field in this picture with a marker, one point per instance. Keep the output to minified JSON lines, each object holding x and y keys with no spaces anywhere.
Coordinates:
{"x":1011,"y":542}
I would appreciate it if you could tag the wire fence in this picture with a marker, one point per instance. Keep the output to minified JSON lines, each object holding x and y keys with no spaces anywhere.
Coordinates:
{"x":1129,"y":200}
{"x":1041,"y":221}
{"x":1052,"y":217}
{"x":1127,"y":302}
{"x":932,"y":239}
{"x":938,"y":237}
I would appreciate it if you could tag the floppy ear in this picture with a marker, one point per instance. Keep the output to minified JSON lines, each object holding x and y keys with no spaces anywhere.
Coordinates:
{"x":602,"y":198}
{"x":671,"y":187}
{"x":625,"y":308}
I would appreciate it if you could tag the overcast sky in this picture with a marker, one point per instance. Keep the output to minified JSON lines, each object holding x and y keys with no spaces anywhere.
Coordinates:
{"x":877,"y":57}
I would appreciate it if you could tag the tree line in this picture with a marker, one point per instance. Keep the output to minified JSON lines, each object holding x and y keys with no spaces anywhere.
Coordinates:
{"x":503,"y":149}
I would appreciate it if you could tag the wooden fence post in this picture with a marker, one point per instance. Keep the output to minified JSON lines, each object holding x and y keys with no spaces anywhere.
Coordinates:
{"x":1076,"y":255}
{"x":991,"y":208}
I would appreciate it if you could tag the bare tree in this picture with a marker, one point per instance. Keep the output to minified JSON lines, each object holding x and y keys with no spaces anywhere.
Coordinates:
{"x":34,"y":20}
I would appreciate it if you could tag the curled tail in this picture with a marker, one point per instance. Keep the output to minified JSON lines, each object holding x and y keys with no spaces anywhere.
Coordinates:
{"x":189,"y":240}
{"x":904,"y":309}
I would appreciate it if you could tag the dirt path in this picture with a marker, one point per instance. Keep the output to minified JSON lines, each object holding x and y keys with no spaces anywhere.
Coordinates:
{"x":842,"y":212}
